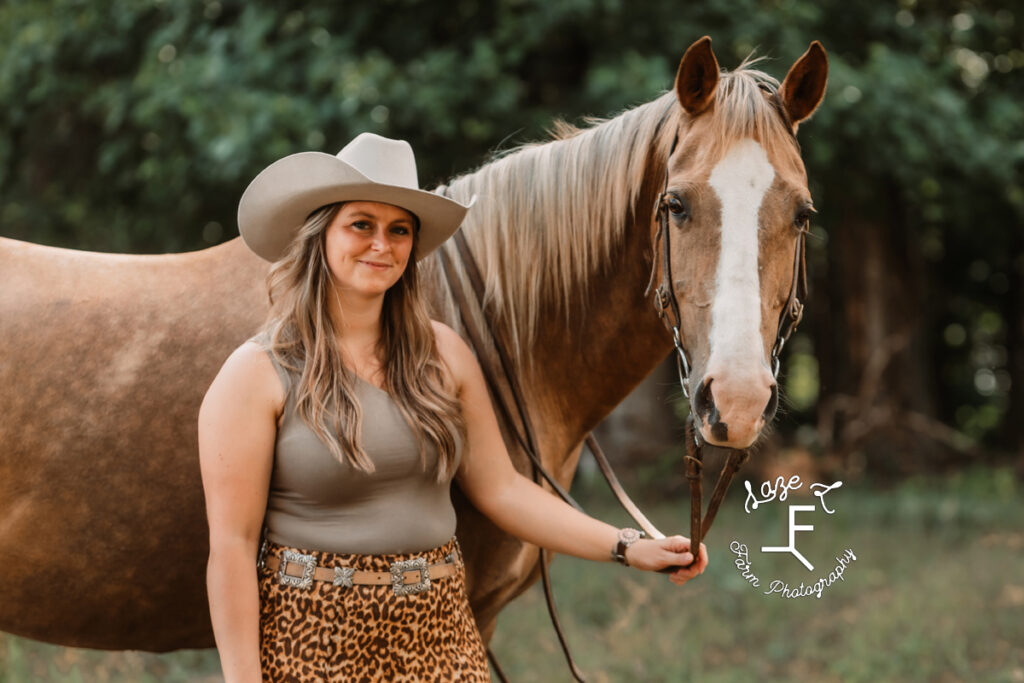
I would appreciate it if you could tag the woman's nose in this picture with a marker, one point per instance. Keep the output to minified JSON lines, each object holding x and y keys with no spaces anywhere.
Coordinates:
{"x":380,"y":240}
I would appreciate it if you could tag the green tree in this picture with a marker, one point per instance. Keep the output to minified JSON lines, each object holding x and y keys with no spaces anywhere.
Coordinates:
{"x":134,"y":126}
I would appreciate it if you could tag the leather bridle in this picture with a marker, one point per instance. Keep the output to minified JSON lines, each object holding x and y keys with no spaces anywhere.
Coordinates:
{"x":667,"y":307}
{"x":509,"y":398}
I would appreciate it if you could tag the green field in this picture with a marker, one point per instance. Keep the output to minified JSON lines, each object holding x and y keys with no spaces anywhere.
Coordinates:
{"x":936,"y":594}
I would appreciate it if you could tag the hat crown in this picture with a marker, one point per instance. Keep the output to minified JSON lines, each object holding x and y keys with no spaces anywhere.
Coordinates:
{"x":382,"y":160}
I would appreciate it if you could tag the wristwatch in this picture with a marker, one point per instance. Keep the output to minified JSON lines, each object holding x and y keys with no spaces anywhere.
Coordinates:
{"x":627,"y":537}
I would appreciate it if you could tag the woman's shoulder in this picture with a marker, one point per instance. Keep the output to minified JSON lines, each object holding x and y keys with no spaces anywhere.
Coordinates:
{"x":454,"y":350}
{"x":254,"y":355}
{"x":250,"y":371}
{"x":448,"y":340}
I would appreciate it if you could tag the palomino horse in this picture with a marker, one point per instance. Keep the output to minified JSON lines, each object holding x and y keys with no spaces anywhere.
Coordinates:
{"x":105,"y":357}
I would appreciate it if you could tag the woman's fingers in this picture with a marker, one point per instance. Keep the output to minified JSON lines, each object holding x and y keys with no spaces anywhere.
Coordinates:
{"x":677,"y":544}
{"x":679,"y":581}
{"x":682,"y":556}
{"x":683,"y":575}
{"x":680,"y":545}
{"x":673,"y":551}
{"x":702,"y":557}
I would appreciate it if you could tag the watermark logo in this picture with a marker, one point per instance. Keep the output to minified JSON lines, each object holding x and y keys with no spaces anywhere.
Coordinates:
{"x":779,"y":489}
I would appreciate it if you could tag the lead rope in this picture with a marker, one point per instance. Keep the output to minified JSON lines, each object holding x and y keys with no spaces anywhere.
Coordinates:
{"x":525,"y":437}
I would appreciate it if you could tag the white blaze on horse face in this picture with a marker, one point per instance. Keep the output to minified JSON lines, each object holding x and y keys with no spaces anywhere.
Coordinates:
{"x":740,"y":180}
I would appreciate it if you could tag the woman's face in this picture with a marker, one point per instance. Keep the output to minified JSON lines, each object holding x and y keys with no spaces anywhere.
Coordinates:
{"x":368,"y":246}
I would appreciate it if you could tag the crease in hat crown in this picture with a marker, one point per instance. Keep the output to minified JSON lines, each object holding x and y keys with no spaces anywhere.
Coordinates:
{"x":382,"y":160}
{"x":369,"y":168}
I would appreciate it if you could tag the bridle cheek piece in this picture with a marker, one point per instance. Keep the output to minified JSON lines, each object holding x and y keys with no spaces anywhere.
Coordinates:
{"x":665,"y":302}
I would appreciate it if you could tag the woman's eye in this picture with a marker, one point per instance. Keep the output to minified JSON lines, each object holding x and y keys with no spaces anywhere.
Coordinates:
{"x":361,"y":225}
{"x":400,"y":230}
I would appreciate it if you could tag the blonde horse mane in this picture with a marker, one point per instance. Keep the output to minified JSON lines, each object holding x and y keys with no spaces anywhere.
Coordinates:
{"x":551,"y":214}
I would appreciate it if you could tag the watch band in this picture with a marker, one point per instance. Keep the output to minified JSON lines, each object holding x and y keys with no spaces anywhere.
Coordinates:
{"x":627,"y":537}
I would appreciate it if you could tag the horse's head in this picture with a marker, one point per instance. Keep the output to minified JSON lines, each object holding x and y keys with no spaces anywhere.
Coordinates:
{"x":731,"y":224}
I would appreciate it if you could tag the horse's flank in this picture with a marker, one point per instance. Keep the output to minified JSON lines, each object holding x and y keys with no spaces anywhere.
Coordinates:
{"x":105,"y":359}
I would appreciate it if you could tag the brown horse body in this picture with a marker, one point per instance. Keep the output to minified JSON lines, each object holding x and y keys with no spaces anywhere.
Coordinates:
{"x":101,"y":507}
{"x":104,"y":360}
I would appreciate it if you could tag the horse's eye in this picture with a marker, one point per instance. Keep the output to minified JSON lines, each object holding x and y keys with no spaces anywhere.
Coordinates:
{"x":802,"y":221}
{"x":677,"y":208}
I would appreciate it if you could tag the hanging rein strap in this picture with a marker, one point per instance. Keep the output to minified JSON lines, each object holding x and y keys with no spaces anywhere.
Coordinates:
{"x":522,"y":430}
{"x":525,"y":438}
{"x":518,"y":421}
{"x":520,"y":425}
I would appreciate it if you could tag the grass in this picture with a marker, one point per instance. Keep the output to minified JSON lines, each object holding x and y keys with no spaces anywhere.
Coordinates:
{"x":936,"y":594}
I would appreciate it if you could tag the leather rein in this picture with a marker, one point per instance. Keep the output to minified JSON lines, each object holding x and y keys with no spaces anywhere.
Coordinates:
{"x":509,"y":398}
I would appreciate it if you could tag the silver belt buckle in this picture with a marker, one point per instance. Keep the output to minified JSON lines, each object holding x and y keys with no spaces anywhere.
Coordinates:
{"x":398,"y":570}
{"x":309,"y":566}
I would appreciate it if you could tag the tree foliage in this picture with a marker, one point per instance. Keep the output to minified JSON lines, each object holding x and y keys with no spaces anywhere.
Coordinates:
{"x":134,"y":126}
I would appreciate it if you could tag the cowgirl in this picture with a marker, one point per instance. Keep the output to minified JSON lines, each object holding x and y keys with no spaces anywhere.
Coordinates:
{"x":338,"y":429}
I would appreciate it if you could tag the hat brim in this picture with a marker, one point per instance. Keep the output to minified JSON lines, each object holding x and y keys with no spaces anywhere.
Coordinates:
{"x":278,"y":200}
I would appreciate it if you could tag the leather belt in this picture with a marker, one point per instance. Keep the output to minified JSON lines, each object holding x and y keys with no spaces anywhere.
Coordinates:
{"x":406,"y":576}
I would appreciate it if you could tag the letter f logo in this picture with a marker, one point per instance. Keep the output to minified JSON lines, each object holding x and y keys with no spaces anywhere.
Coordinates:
{"x":793,"y":528}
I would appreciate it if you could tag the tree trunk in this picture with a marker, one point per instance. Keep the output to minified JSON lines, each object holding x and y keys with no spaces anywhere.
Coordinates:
{"x":1013,"y":313}
{"x":870,"y":327}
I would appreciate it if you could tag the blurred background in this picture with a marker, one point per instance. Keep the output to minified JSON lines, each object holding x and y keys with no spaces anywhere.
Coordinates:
{"x":134,"y":127}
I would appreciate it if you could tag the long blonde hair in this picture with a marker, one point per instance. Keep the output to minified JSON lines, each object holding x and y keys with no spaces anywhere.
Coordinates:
{"x":303,"y":340}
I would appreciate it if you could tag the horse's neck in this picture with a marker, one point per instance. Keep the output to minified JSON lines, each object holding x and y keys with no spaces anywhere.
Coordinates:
{"x":584,"y":366}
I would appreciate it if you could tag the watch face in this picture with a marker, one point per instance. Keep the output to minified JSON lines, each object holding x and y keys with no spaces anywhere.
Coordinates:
{"x":629,"y":536}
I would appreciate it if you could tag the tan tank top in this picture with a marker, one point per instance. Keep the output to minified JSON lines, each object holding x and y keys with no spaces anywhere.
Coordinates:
{"x":317,"y":503}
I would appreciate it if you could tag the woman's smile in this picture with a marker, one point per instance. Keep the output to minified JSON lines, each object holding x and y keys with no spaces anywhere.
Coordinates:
{"x":376,"y":265}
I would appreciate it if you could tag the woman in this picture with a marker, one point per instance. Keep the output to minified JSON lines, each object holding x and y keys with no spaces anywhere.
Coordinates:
{"x":337,"y":430}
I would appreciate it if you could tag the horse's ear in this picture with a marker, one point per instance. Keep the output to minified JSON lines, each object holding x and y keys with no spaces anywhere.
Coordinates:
{"x":697,"y":77}
{"x":804,"y":85}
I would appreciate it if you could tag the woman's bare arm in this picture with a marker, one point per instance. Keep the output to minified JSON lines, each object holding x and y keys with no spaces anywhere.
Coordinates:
{"x":237,"y":431}
{"x":521,"y":507}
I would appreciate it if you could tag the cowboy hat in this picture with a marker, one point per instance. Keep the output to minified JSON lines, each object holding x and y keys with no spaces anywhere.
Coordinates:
{"x":370,"y":168}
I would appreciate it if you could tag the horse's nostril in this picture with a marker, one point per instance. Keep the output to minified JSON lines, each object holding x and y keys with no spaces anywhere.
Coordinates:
{"x":703,"y":402}
{"x":773,"y":404}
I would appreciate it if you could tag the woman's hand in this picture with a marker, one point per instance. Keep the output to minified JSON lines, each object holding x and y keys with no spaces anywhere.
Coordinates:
{"x":674,"y":551}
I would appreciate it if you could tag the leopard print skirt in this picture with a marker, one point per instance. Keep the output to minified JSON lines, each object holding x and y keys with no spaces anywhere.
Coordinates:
{"x":367,"y":633}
